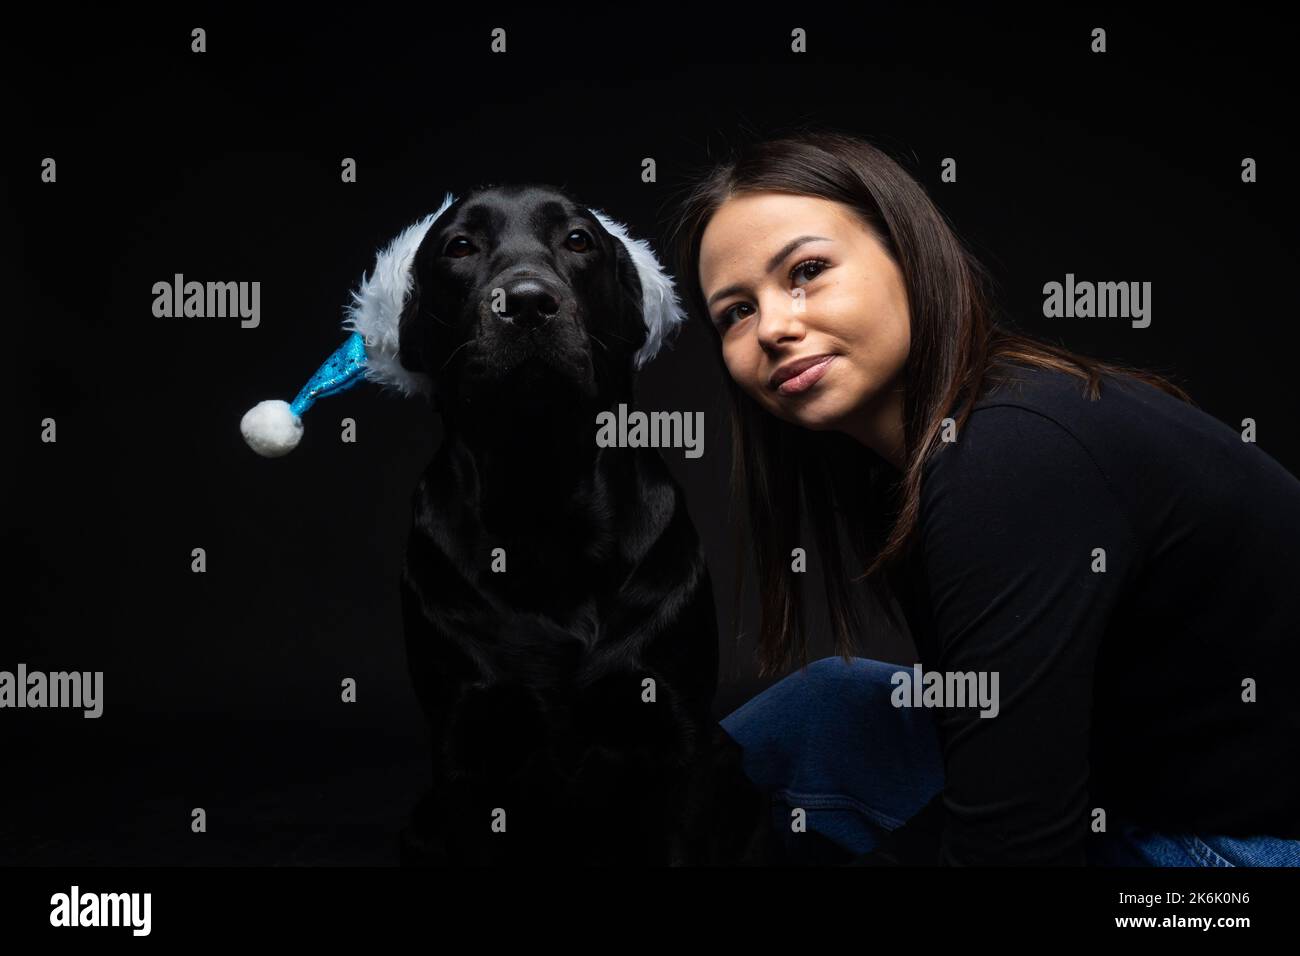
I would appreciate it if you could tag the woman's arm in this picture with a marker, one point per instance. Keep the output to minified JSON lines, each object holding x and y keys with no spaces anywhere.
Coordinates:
{"x":1012,"y":515}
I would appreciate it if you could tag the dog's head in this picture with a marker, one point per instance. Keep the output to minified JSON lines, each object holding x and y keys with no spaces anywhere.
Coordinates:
{"x":522,"y":296}
{"x":513,"y":292}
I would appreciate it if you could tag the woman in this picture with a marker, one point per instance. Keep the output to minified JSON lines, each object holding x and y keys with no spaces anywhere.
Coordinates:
{"x":1107,"y":573}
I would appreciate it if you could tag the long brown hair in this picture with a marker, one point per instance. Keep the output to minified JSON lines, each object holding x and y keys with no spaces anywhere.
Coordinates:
{"x":956,"y":340}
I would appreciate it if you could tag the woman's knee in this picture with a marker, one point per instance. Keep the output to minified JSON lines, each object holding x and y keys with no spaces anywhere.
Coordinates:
{"x":860,"y":671}
{"x":830,"y":693}
{"x":860,"y":684}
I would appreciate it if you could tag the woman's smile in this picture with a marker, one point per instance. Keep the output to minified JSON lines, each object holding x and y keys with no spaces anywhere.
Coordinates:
{"x":801,"y":381}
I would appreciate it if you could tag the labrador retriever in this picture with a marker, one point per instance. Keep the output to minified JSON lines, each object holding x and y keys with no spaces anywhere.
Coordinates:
{"x":559,"y":616}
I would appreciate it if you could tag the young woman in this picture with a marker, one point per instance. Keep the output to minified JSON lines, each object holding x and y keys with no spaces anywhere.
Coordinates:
{"x":1100,"y":578}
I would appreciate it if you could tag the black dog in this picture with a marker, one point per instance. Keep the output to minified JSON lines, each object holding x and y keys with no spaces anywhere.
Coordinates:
{"x":559,"y":616}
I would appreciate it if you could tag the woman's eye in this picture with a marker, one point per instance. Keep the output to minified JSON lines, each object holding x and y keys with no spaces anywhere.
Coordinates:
{"x":801,"y":269}
{"x":578,"y":240}
{"x":723,"y":318}
{"x":810,"y":269}
{"x":459,"y":247}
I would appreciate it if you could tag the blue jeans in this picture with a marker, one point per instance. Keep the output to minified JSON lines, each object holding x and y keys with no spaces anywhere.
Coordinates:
{"x":828,"y":739}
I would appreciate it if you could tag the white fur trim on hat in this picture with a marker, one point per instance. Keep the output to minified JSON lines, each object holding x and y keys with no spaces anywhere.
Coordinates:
{"x":376,"y":309}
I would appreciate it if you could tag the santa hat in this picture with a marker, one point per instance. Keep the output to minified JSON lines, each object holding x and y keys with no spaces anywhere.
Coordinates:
{"x":274,"y":427}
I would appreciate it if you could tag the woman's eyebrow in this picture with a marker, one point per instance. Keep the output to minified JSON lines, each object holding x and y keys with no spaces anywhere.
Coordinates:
{"x":772,"y":263}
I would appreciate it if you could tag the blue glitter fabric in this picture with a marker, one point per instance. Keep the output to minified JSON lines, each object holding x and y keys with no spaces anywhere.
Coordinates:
{"x":342,"y":370}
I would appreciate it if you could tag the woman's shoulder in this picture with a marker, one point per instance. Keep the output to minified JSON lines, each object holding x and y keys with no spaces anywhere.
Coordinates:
{"x":1026,"y":446}
{"x":1036,"y":439}
{"x":1064,"y":396}
{"x":1022,"y":488}
{"x":1036,"y":444}
{"x":1028,"y":414}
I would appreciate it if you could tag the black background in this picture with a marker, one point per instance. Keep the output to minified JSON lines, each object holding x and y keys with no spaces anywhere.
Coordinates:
{"x":222,"y":689}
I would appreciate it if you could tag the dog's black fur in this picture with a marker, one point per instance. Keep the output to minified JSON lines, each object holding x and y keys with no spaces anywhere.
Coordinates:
{"x":532,"y":679}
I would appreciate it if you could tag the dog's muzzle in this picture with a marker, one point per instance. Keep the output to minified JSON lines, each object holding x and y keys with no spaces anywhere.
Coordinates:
{"x":530,"y":303}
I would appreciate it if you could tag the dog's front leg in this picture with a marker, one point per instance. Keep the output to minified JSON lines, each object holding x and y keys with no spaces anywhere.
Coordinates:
{"x":422,"y":842}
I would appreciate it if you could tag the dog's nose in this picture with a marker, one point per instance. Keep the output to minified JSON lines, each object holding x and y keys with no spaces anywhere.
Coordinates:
{"x":529,"y":303}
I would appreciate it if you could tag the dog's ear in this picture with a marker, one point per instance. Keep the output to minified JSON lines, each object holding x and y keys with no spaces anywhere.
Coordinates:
{"x":415,"y":327}
{"x":414,"y":334}
{"x":632,"y":316}
{"x":656,"y":304}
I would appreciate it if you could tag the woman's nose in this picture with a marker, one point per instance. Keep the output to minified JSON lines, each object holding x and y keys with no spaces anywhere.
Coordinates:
{"x":780,"y":317}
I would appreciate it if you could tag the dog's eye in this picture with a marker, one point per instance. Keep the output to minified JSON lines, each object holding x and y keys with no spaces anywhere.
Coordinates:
{"x":578,"y":240}
{"x":459,"y":247}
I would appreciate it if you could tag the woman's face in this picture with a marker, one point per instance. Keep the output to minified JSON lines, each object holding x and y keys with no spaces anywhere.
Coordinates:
{"x":788,"y":278}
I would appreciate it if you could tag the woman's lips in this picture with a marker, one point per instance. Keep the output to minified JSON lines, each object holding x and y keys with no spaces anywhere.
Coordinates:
{"x":805,"y":379}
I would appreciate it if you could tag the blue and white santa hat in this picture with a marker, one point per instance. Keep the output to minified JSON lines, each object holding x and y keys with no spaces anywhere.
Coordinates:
{"x":273,"y":428}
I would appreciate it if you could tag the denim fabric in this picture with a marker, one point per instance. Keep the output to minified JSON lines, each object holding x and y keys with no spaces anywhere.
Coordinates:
{"x":828,"y":740}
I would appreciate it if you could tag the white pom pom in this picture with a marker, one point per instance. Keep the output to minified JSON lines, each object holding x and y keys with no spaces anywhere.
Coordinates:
{"x":271,"y":428}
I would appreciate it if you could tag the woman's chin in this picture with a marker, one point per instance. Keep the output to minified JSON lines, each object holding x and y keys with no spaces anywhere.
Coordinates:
{"x":815,"y":412}
{"x":816,"y":416}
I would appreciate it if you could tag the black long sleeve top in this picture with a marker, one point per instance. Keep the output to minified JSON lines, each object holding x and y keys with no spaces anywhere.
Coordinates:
{"x":1164,"y":688}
